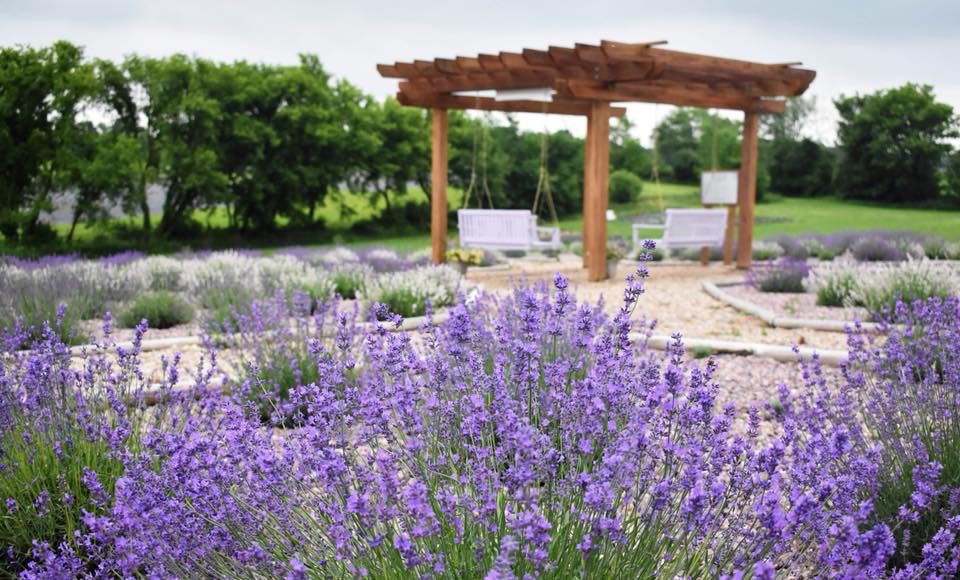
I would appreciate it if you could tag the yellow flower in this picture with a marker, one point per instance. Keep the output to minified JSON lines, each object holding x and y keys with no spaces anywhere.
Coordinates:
{"x":469,"y":257}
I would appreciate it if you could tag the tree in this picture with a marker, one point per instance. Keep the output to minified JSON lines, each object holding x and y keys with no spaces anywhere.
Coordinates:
{"x":187,"y":136}
{"x":789,"y":124}
{"x":800,"y":168}
{"x":42,"y":91}
{"x":797,"y":165}
{"x":893,"y":143}
{"x":127,"y":90}
{"x":402,"y":154}
{"x":626,"y":152}
{"x":719,"y":141}
{"x":951,"y":177}
{"x":678,"y":145}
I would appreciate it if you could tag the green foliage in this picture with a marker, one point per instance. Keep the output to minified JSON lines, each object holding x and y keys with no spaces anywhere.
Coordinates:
{"x":223,"y":303}
{"x":800,"y":168}
{"x":277,"y":379}
{"x":702,"y":352}
{"x":678,"y":145}
{"x":348,"y":285}
{"x":33,"y":464}
{"x":907,"y":282}
{"x":893,"y":144}
{"x":897,"y":486}
{"x":44,"y":91}
{"x":836,"y":290}
{"x":403,"y":301}
{"x":690,"y":140}
{"x":624,"y":186}
{"x":35,"y":310}
{"x":161,"y":309}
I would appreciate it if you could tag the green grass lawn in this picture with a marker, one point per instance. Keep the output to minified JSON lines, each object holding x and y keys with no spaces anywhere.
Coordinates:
{"x":777,"y":215}
{"x":785,"y":215}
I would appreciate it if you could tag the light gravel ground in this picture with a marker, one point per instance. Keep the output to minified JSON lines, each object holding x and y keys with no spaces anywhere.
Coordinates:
{"x":795,"y":305}
{"x":674,"y":297}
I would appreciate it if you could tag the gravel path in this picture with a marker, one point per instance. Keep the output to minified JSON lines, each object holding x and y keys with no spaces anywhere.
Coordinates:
{"x":674,"y":297}
{"x":795,"y":305}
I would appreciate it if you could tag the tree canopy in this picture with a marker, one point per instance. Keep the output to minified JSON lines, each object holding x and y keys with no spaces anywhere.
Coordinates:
{"x":893,"y":143}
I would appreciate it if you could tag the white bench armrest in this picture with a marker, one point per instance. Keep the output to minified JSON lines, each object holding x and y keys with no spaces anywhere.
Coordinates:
{"x":638,"y":227}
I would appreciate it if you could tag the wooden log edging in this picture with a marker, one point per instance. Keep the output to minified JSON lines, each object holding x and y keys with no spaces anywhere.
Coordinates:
{"x":828,"y":357}
{"x":772,"y":319}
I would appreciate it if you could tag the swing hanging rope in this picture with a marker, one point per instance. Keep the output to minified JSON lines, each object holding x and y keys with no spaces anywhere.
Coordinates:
{"x":656,"y":157}
{"x":479,"y":151}
{"x":544,"y":193}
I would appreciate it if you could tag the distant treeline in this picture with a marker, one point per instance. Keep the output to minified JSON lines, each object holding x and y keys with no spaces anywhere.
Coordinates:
{"x":268,"y":142}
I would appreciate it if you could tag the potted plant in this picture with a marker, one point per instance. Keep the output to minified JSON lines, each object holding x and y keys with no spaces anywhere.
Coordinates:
{"x":614,"y":255}
{"x":462,"y":259}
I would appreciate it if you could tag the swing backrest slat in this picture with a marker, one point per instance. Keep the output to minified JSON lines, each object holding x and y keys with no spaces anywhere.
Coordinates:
{"x":498,"y":229}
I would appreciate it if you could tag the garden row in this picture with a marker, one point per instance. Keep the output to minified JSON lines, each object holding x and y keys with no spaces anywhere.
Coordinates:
{"x":528,"y":435}
{"x":846,"y":283}
{"x":169,"y":291}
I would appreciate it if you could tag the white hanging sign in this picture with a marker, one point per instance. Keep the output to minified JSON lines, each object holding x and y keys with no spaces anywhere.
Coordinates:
{"x":719,"y":187}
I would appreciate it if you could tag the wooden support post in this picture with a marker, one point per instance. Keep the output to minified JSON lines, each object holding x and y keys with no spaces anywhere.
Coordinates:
{"x":587,"y":168}
{"x":728,"y":236}
{"x":747,"y":194}
{"x":438,"y":186}
{"x":595,"y":190}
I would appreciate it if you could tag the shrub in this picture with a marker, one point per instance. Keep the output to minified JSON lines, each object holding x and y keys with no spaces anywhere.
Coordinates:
{"x":407,"y":293}
{"x":899,"y":401}
{"x":791,"y":246}
{"x":492,"y":258}
{"x":160,"y":309}
{"x":514,"y":253}
{"x":764,"y":251}
{"x":875,"y":249}
{"x":464,"y":256}
{"x":819,"y":250}
{"x":879,"y":289}
{"x":269,"y":345}
{"x":64,"y":436}
{"x":526,"y":435}
{"x":938,"y":249}
{"x":223,"y":304}
{"x":702,"y":352}
{"x":784,"y":275}
{"x":624,"y":186}
{"x":836,"y":290}
{"x":34,"y":290}
{"x":349,"y":281}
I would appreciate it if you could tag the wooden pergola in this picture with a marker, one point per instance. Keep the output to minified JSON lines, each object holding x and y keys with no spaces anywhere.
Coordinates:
{"x":585,"y":80}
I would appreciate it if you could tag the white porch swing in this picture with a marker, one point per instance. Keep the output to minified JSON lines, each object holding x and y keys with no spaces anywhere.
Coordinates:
{"x":507,"y":229}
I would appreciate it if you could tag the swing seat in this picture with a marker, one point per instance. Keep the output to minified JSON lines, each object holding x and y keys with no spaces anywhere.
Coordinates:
{"x":505,"y":229}
{"x":688,"y":228}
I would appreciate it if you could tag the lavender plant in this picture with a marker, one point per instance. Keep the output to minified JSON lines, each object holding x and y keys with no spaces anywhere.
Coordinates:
{"x":899,"y":398}
{"x":879,"y":289}
{"x":64,"y":435}
{"x":783,"y":275}
{"x":408,"y":293}
{"x":876,"y":249}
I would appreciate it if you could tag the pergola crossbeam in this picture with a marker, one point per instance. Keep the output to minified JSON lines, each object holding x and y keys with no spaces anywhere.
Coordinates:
{"x":444,"y":101}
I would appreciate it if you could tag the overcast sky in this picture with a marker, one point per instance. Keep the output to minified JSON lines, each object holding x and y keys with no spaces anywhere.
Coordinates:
{"x":855,"y":46}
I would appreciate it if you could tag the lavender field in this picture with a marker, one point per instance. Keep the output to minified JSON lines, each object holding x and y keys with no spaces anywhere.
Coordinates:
{"x":529,"y":434}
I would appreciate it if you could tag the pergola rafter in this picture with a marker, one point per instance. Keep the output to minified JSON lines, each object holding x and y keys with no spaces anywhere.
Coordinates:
{"x":586,"y":79}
